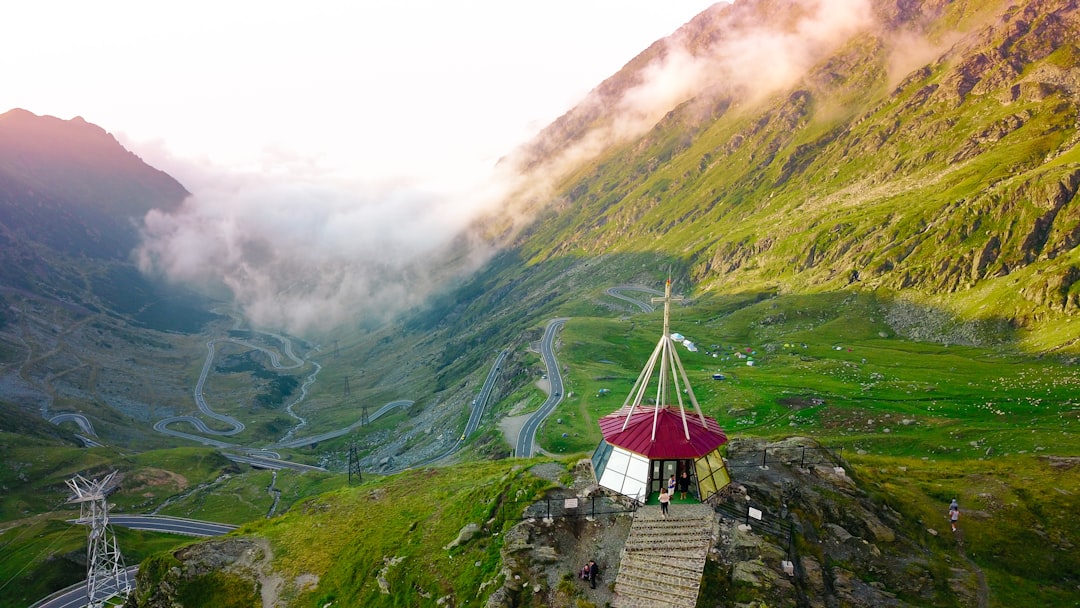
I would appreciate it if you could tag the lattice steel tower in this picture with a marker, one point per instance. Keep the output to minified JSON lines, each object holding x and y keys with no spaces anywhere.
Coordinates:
{"x":105,"y":577}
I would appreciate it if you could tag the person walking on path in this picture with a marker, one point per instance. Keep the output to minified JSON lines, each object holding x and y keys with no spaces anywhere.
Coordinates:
{"x":954,"y":514}
{"x":594,"y":571}
{"x":684,"y":484}
{"x":665,"y":498}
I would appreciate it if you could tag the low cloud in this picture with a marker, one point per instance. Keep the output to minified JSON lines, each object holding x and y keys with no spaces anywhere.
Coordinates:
{"x":743,"y":54}
{"x":302,"y":251}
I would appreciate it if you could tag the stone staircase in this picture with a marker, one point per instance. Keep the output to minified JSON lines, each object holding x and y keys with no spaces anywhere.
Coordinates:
{"x":663,"y":558}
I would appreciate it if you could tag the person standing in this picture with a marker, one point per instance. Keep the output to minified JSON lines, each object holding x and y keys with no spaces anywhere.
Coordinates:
{"x":665,"y":498}
{"x":594,"y":571}
{"x":671,"y":486}
{"x":684,"y":484}
{"x":954,"y":514}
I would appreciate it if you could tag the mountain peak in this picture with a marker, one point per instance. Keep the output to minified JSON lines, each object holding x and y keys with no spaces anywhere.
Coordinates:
{"x":81,"y":172}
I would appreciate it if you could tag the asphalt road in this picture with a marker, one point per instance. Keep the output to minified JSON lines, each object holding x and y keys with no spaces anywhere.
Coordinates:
{"x":171,"y":525}
{"x":271,"y":464}
{"x":75,"y":596}
{"x":296,"y":443}
{"x":78,"y":419}
{"x":200,"y":401}
{"x":617,"y":292}
{"x":527,"y":436}
{"x":485,"y":393}
{"x":474,"y":416}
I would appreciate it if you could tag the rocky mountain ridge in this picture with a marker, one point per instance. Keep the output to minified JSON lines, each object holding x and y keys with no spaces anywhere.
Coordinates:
{"x":931,"y":152}
{"x":70,"y":185}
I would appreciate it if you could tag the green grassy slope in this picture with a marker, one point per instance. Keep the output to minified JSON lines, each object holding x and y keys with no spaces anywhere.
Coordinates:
{"x":395,"y":530}
{"x":945,"y":366}
{"x":957,"y":185}
{"x":42,"y":551}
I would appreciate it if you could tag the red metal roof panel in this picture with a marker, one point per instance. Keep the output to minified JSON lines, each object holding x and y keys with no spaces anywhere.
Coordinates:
{"x":671,"y":442}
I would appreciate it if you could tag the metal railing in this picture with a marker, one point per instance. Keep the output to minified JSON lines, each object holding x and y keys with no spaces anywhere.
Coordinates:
{"x":758,"y":518}
{"x":574,"y":506}
{"x":801,"y":456}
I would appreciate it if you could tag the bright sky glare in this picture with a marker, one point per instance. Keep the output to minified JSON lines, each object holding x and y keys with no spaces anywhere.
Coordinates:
{"x":422,"y":89}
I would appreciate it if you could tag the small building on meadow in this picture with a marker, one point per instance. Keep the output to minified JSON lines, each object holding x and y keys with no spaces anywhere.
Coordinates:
{"x":645,"y":444}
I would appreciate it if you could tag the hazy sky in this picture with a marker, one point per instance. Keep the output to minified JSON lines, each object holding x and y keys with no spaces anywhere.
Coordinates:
{"x":361,"y":88}
{"x":328,"y":144}
{"x":333,"y":146}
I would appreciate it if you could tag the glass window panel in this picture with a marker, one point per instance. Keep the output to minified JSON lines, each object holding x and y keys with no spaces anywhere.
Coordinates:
{"x":702,"y":467}
{"x":619,"y":460}
{"x":670,"y":468}
{"x":716,"y":461}
{"x":638,"y":469}
{"x":707,"y":487}
{"x":600,"y":458}
{"x":722,"y":478}
{"x":612,"y":479}
{"x":634,"y":488}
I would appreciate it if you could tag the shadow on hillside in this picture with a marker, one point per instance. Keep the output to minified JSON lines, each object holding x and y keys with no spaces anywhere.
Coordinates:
{"x":858,"y":314}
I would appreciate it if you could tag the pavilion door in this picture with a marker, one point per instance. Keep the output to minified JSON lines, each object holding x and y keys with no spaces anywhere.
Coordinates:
{"x":660,"y":473}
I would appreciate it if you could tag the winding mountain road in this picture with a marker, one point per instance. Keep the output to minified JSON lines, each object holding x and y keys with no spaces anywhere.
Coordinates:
{"x":485,"y":394}
{"x":527,"y":437}
{"x":526,"y":440}
{"x":477,"y":412}
{"x":617,"y":292}
{"x":78,"y":419}
{"x":200,"y":400}
{"x":524,"y":445}
{"x":171,"y":525}
{"x":75,"y":596}
{"x":296,"y":443}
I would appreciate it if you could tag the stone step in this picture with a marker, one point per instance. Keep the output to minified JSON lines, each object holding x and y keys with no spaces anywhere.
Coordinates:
{"x":663,"y":558}
{"x":671,"y":553}
{"x":644,"y":589}
{"x":648,"y":514}
{"x":663,"y":544}
{"x":677,"y":510}
{"x":690,"y":567}
{"x":672,"y":573}
{"x":674,"y":519}
{"x":636,"y":602}
{"x":666,"y":543}
{"x":659,"y":586}
{"x":699,"y":528}
{"x":690,"y":527}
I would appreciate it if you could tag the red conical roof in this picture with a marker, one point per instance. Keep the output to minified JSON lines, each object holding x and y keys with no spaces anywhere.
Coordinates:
{"x":670,"y":442}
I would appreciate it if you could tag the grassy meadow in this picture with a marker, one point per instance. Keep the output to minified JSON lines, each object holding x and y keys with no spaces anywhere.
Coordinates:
{"x":400,"y":540}
{"x":957,"y":412}
{"x":41,"y":551}
{"x":924,"y":409}
{"x":830,"y":367}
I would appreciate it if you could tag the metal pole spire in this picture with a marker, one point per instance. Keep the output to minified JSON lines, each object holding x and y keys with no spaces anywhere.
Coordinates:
{"x":666,"y":354}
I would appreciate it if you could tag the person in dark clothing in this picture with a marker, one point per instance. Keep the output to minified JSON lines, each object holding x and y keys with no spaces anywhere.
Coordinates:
{"x":684,"y":484}
{"x":594,"y":571}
